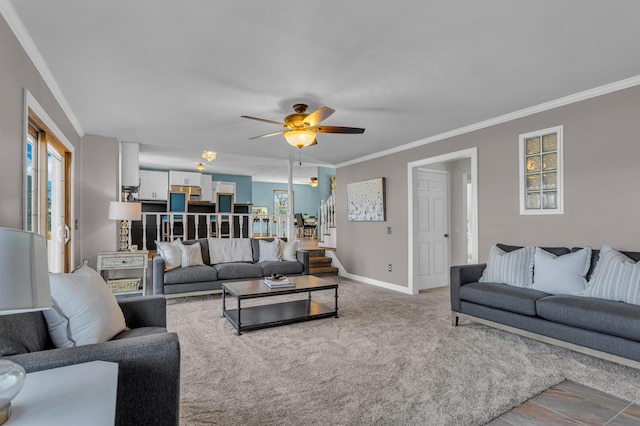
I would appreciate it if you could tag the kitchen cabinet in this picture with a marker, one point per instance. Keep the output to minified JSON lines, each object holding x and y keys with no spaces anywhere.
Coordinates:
{"x":224,"y":187}
{"x":184,"y":178}
{"x":206,"y":188}
{"x":153,"y":185}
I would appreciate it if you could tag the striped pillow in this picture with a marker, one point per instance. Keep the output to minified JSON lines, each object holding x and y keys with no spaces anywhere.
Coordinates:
{"x":513,"y":268}
{"x":616,"y":277}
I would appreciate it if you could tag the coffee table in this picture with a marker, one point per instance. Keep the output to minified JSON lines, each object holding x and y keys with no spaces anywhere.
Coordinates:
{"x":276,"y":314}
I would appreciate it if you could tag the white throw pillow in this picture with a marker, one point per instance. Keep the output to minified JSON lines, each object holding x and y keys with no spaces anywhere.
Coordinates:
{"x":561,"y":274}
{"x":513,"y":268}
{"x":289,"y":250}
{"x":225,"y":250}
{"x":269,"y":250}
{"x":191,"y":255}
{"x":84,"y":310}
{"x":171,"y":253}
{"x":616,"y":277}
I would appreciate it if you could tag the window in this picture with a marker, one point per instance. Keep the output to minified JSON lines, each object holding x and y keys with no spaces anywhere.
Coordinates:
{"x":541,"y":183}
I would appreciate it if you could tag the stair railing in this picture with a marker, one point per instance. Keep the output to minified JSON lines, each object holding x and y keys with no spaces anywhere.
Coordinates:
{"x":327,"y":214}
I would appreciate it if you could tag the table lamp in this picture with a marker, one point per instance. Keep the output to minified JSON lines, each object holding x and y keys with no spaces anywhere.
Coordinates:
{"x":24,"y":286}
{"x":125,"y":212}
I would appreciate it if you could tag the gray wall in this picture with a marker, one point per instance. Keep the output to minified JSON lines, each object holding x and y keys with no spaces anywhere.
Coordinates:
{"x":99,"y":187}
{"x":16,"y":73}
{"x":602,"y":175}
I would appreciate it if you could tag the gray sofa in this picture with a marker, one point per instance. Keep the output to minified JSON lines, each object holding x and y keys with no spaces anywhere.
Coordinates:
{"x":148,"y":358}
{"x":208,"y":278}
{"x":603,"y":328}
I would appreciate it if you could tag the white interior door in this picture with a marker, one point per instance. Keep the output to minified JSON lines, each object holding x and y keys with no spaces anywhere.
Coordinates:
{"x":432,"y":222}
{"x":57,"y":230}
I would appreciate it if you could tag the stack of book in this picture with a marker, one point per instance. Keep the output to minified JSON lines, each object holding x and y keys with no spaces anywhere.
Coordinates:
{"x":278,"y":282}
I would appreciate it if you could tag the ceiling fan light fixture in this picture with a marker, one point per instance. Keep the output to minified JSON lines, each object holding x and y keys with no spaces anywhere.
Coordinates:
{"x":314,"y":182}
{"x":200,"y":167}
{"x":209,"y":155}
{"x":299,"y":138}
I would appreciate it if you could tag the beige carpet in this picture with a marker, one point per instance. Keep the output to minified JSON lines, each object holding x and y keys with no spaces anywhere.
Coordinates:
{"x":389,"y":359}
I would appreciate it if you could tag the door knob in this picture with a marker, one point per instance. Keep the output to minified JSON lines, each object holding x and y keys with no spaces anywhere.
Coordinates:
{"x":446,"y":235}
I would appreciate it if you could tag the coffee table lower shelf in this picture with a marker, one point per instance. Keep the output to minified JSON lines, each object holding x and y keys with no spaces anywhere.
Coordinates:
{"x":276,"y":314}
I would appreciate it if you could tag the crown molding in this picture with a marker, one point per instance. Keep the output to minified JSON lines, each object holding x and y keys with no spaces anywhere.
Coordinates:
{"x":15,"y":23}
{"x":577,"y":97}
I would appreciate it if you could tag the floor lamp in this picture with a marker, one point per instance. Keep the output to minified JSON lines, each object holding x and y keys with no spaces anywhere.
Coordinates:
{"x":125,"y":212}
{"x":24,"y":286}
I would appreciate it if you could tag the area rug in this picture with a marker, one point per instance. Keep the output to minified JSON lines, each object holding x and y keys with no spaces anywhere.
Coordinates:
{"x":389,"y":358}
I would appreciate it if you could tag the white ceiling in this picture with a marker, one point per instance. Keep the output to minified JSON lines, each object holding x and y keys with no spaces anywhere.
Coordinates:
{"x":176,"y":76}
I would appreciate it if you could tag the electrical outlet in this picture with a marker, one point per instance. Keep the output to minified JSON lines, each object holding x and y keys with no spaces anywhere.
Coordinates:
{"x":389,"y":267}
{"x":388,"y":230}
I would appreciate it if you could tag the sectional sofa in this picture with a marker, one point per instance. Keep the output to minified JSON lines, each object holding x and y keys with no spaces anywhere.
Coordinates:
{"x":608,"y":329}
{"x":209,"y":276}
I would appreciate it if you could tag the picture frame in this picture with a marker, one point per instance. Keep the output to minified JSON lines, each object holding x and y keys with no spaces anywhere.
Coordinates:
{"x":366,"y":201}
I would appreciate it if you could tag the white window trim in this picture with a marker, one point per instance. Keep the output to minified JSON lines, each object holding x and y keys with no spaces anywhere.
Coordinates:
{"x":560,"y":192}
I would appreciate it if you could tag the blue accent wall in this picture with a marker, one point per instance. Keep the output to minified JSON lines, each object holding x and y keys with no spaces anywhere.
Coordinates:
{"x":305,"y":198}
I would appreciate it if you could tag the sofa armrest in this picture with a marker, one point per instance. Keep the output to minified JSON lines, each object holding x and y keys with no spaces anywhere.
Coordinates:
{"x":149,"y":311}
{"x":303,"y":257}
{"x":157,"y":269}
{"x":148,"y":374}
{"x":461,"y":275}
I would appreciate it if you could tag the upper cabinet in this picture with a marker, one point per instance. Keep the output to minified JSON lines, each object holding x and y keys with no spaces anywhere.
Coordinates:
{"x":206,"y":185}
{"x":184,"y":178}
{"x":153,"y":185}
{"x":224,"y":187}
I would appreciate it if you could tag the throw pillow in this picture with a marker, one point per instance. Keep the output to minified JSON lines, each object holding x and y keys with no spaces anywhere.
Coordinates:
{"x":191,"y":255}
{"x":171,"y":253}
{"x":561,"y":274}
{"x":616,"y":277}
{"x":226,"y":250}
{"x":270,"y":251}
{"x":513,"y":268}
{"x":289,"y":250}
{"x":84,"y":310}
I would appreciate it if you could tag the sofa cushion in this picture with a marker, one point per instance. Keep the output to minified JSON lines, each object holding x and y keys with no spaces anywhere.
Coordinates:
{"x":191,"y":274}
{"x":137,"y":332}
{"x":239,"y":270}
{"x":502,"y":296}
{"x":616,"y":277}
{"x":225,"y":250}
{"x":604,"y":316}
{"x":22,"y":333}
{"x":284,"y":267}
{"x":558,"y":251}
{"x":561,"y":274}
{"x":514,"y":268}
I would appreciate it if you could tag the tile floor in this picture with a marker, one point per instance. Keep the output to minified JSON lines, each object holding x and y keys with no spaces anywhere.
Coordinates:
{"x":570,"y":403}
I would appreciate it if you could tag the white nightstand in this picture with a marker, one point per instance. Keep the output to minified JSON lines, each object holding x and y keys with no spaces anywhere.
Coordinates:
{"x":81,"y":394}
{"x":124,"y":260}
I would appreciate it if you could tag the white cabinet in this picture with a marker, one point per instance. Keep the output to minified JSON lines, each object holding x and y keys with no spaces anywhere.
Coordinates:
{"x":206,"y":188}
{"x":184,"y":178}
{"x":153,"y":185}
{"x":225,"y":187}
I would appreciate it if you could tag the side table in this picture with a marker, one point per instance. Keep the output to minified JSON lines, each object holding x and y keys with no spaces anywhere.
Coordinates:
{"x":124,"y":260}
{"x":80,"y":394}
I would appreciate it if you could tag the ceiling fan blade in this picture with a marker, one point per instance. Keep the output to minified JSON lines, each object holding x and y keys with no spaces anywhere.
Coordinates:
{"x":337,"y":129}
{"x":268,"y":134}
{"x":318,"y":115}
{"x":264,"y":120}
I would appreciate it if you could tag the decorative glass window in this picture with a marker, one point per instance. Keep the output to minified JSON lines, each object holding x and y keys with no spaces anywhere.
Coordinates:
{"x":541,"y":183}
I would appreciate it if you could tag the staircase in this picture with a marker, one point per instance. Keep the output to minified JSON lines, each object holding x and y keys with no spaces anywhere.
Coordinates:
{"x":320,"y":265}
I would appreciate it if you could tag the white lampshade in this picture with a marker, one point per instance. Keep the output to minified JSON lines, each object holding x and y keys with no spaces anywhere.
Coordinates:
{"x":24,"y":281}
{"x":299,"y":138}
{"x":119,"y":210}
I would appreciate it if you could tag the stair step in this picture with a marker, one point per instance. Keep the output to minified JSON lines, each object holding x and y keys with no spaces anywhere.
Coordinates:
{"x":319,"y":260}
{"x":315,"y":253}
{"x":320,"y":271}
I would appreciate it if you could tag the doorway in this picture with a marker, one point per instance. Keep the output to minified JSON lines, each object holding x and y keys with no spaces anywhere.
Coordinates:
{"x":444,"y":233}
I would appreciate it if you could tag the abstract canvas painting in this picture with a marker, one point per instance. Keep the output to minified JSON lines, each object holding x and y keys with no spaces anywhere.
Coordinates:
{"x":365,"y":201}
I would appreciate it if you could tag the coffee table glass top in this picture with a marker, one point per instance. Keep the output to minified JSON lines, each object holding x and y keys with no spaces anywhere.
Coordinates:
{"x":258,"y":287}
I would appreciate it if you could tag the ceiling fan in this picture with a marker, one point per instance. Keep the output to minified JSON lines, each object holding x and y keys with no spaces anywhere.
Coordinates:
{"x":301,"y":128}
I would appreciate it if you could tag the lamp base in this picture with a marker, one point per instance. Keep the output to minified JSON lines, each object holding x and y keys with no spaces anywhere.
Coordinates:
{"x":5,"y":411}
